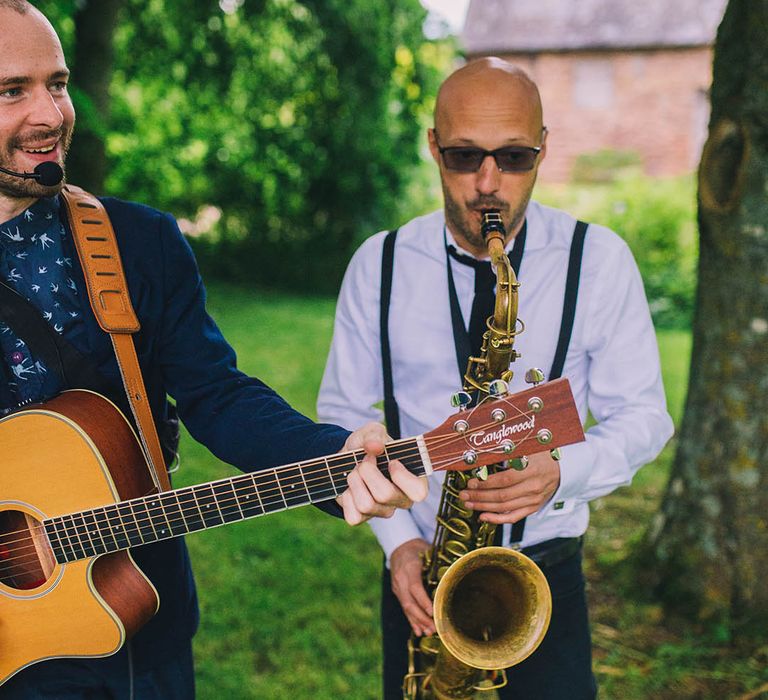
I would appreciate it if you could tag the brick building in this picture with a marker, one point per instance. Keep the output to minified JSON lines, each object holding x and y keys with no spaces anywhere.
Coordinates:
{"x":628,"y":76}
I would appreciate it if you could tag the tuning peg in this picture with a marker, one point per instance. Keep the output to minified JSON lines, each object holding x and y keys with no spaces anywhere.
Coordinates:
{"x":482,"y":473}
{"x":556,"y":454}
{"x":498,"y":387}
{"x":470,"y":457}
{"x":534,"y":376}
{"x":460,"y":400}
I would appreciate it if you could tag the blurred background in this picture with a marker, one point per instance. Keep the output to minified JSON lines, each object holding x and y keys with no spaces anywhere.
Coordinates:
{"x":282,"y":133}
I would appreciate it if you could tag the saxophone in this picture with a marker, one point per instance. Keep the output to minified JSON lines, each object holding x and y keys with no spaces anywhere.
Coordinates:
{"x":491,"y":604}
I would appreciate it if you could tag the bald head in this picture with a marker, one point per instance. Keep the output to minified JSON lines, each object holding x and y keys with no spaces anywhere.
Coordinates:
{"x":20,"y":6}
{"x":488,"y":86}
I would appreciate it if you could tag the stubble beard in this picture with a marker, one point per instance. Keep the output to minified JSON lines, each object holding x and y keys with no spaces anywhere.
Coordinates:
{"x":457,"y":216}
{"x":16,"y":187}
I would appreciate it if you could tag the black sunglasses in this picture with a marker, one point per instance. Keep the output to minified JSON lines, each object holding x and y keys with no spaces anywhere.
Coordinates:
{"x":509,"y":159}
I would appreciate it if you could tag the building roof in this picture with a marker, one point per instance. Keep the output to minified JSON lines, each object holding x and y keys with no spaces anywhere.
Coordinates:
{"x":512,"y":26}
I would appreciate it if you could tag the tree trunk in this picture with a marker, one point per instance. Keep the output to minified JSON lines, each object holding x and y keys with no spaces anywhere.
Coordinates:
{"x":710,"y":540}
{"x":95,"y":23}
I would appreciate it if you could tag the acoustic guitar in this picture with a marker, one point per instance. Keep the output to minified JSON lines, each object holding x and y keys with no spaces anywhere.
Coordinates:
{"x":75,"y":496}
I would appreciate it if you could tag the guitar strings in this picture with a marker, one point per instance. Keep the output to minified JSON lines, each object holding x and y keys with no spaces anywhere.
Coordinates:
{"x":224,"y":504}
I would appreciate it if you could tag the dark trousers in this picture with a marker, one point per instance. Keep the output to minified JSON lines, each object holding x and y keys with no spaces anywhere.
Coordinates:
{"x":110,"y":678}
{"x":560,"y":669}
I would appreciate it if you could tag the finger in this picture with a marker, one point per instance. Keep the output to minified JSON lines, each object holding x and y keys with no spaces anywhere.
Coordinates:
{"x":511,"y":516}
{"x":422,"y":599}
{"x":414,"y":487}
{"x":532,"y":502}
{"x":504,"y":478}
{"x":370,"y":432}
{"x":362,"y":500}
{"x":420,"y":622}
{"x":381,"y":488}
{"x":493,"y":496}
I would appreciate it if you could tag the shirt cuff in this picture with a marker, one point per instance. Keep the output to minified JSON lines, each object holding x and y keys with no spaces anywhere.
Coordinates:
{"x":394,"y":531}
{"x":576,"y":462}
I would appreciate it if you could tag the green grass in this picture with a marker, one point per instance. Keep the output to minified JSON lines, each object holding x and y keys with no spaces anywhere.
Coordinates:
{"x":290,"y":602}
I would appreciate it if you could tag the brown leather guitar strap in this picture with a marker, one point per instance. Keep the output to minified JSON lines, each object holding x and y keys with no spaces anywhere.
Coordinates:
{"x":108,"y":293}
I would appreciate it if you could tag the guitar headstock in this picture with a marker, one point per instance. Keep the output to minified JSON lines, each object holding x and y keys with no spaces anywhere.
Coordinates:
{"x":506,"y":427}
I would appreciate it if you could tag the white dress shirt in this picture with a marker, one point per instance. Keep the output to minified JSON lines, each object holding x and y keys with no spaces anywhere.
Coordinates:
{"x":612,"y":361}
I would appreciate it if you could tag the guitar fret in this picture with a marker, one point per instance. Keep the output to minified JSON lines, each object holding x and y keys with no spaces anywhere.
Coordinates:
{"x":72,"y":553}
{"x":209,"y":509}
{"x":143,"y":521}
{"x":304,"y":481}
{"x":78,"y":547}
{"x":94,"y":532}
{"x":339,"y":477}
{"x":191,"y":509}
{"x":117,"y":527}
{"x":173,"y":515}
{"x":130,"y":524}
{"x":245,"y":490}
{"x":57,"y":545}
{"x":226,"y":500}
{"x":104,"y":529}
{"x":291,"y":487}
{"x":85,"y":538}
{"x":159,"y":520}
{"x":330,"y":475}
{"x":271,"y":495}
{"x":182,"y":526}
{"x":321,"y":489}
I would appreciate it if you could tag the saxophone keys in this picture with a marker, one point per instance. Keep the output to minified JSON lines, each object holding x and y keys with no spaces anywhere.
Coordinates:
{"x":456,"y":549}
{"x":458,"y":527}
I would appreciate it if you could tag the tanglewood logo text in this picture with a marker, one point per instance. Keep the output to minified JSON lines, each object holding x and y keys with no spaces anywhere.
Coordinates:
{"x":481,"y":438}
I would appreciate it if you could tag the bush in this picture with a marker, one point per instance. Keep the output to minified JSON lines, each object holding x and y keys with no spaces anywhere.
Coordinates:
{"x":657,"y":218}
{"x":606,"y":165}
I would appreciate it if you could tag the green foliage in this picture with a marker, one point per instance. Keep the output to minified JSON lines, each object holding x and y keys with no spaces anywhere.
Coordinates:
{"x":657,"y":218}
{"x":298,"y":120}
{"x":605,"y":165}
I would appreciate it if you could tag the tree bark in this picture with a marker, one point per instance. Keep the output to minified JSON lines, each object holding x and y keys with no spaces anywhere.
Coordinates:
{"x":710,"y":540}
{"x":95,"y":23}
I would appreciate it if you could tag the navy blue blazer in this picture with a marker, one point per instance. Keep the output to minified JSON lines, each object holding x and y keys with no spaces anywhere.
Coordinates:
{"x":184,"y":355}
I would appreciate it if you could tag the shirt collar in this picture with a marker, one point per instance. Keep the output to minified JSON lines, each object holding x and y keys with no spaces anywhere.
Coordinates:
{"x":23,"y":230}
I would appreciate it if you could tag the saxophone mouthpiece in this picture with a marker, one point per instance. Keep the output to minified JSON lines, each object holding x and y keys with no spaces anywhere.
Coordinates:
{"x":491,"y":222}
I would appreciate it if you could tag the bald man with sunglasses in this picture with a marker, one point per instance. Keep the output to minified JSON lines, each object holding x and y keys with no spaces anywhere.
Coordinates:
{"x":586,"y":317}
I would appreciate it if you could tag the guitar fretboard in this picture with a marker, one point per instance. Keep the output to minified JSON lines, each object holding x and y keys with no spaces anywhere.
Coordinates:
{"x":174,"y":513}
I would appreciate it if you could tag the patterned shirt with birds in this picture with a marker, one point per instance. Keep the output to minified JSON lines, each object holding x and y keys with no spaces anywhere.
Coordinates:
{"x":36,"y":259}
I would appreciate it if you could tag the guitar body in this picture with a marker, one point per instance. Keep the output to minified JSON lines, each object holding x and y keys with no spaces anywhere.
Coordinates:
{"x":55,"y":459}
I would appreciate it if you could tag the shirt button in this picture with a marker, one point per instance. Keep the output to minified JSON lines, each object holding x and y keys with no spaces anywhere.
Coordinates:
{"x":17,"y":358}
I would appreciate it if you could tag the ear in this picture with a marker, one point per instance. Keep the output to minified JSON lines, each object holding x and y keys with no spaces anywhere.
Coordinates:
{"x":433,"y":147}
{"x":543,"y":153}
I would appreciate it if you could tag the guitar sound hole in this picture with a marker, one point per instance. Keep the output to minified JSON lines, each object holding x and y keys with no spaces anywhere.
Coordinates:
{"x":24,"y":558}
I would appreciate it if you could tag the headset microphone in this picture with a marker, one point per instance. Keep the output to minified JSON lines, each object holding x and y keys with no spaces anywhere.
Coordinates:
{"x":47,"y":173}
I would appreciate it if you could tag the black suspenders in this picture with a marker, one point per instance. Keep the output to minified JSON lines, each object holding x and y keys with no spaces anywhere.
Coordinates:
{"x":391,"y":413}
{"x":566,"y":324}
